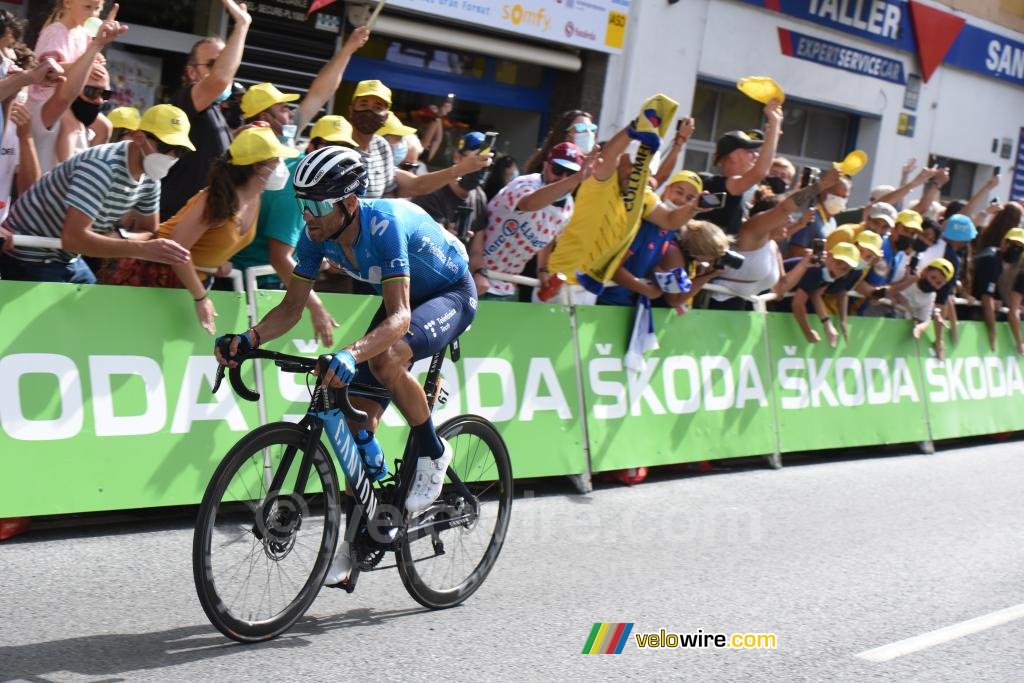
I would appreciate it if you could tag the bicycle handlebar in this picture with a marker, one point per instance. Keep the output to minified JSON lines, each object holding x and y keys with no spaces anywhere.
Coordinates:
{"x":289,"y":364}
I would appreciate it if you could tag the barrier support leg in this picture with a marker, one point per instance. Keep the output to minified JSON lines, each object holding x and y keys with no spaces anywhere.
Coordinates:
{"x":926,"y":447}
{"x":773,"y":459}
{"x":582,"y":481}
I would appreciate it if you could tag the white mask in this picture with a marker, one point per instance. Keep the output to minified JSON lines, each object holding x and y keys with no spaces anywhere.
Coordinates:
{"x":157,"y":165}
{"x":278,"y":178}
{"x":670,"y":205}
{"x":834,"y":204}
{"x":585,"y":141}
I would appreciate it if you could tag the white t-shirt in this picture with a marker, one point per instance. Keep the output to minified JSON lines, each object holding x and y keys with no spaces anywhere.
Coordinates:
{"x":513,"y":236}
{"x":46,"y":138}
{"x":8,"y":166}
{"x":919,"y":304}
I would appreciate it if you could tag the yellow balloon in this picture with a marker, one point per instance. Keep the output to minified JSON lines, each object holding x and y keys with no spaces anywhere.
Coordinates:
{"x":853,"y":163}
{"x":761,"y":88}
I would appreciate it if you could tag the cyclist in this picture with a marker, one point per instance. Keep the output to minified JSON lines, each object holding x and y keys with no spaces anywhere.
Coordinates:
{"x":429,"y":299}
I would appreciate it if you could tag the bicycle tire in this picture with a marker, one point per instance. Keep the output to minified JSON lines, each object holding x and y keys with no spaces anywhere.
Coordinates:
{"x":232,"y":513}
{"x":417,"y":567}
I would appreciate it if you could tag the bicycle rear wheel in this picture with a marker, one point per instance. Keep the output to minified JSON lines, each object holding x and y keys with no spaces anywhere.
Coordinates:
{"x":258,"y":556}
{"x":443,"y":569}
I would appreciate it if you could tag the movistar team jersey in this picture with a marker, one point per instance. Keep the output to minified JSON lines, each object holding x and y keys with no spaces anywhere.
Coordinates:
{"x":397,"y":239}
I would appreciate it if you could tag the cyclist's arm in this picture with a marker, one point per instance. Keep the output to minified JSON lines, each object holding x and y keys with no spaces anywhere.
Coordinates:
{"x":392,"y":328}
{"x":286,"y":314}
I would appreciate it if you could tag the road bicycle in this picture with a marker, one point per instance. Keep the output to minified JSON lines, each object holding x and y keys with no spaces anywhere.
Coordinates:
{"x":271,"y":516}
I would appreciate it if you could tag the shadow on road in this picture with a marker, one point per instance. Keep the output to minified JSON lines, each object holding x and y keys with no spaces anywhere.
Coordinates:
{"x":121,"y":653}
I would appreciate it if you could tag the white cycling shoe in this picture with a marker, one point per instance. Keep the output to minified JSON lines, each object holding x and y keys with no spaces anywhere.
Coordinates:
{"x":426,"y":486}
{"x":341,"y":567}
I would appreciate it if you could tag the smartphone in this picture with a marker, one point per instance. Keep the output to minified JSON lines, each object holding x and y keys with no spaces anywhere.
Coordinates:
{"x":932,"y":160}
{"x":679,"y":123}
{"x":818,"y":249}
{"x":997,"y":170}
{"x":451,"y":97}
{"x":711,"y":200}
{"x":490,"y":137}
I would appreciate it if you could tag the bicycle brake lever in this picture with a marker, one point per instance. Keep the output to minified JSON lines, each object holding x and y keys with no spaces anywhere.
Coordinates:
{"x":218,"y":378}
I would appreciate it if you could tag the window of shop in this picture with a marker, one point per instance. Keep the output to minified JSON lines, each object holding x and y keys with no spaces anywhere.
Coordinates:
{"x":812,"y":136}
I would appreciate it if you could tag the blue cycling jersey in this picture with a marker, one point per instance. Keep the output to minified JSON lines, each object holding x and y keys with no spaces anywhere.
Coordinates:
{"x":397,"y":239}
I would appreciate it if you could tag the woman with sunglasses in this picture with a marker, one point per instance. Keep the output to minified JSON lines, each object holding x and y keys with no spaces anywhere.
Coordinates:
{"x":218,"y":221}
{"x":575,"y":126}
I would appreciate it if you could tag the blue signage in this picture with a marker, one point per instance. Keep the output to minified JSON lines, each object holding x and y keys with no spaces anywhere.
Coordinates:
{"x":839,"y":56}
{"x":1017,"y":188}
{"x":889,"y":23}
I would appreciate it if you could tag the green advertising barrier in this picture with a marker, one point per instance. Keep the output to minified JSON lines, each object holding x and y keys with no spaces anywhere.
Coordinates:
{"x":105,"y":399}
{"x":517,"y":370}
{"x":867,"y":390}
{"x":975,"y":391}
{"x":702,"y":395}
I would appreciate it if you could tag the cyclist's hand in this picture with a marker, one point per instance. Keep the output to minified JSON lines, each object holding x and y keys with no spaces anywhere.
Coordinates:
{"x":341,"y":371}
{"x":234,"y":343}
{"x":206,"y":313}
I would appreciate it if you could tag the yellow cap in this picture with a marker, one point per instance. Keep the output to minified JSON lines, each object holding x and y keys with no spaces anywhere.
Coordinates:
{"x":257,"y":144}
{"x":169,"y":124}
{"x":394,"y":126}
{"x":1015,"y":235}
{"x":333,"y":128}
{"x":870,"y":240}
{"x":687,"y":177}
{"x":125,"y":117}
{"x":909,"y":218}
{"x":847,"y":253}
{"x":261,"y":97}
{"x":852,"y":164}
{"x":761,"y":89}
{"x":944,"y":267}
{"x":373,"y":89}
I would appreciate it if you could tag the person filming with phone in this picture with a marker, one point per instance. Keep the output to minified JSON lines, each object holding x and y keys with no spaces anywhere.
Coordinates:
{"x":445,"y":204}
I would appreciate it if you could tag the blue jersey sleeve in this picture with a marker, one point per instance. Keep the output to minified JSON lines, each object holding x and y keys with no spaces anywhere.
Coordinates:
{"x":308,"y":256}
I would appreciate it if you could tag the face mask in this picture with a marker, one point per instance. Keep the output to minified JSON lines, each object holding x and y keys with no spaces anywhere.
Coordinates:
{"x":862,"y":264}
{"x":902,"y":243}
{"x":223,"y":96}
{"x":278,"y":178}
{"x":233,"y":115}
{"x":585,"y":141}
{"x":157,"y":165}
{"x":919,"y":245}
{"x":827,"y":276}
{"x":86,"y":112}
{"x":1012,"y":254}
{"x":288,"y":131}
{"x":833,"y":204}
{"x":925,"y":286}
{"x":400,"y":151}
{"x":777,"y":185}
{"x":367,"y":121}
{"x":672,"y":206}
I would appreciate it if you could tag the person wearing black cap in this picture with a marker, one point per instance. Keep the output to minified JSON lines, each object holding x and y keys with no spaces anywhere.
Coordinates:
{"x":745,"y":161}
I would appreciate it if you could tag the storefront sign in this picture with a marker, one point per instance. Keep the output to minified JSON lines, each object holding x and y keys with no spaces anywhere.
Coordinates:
{"x":906,"y":125}
{"x":839,"y":56}
{"x":1017,"y":189}
{"x":591,"y":24}
{"x":903,"y":24}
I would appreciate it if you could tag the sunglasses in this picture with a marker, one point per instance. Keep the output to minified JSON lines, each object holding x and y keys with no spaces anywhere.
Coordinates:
{"x":94,"y":91}
{"x":560,"y":171}
{"x":317,"y":208}
{"x":583,"y":128}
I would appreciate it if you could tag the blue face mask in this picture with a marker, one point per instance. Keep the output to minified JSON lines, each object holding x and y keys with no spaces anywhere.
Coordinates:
{"x":400,"y":151}
{"x":223,"y":96}
{"x":288,"y":132}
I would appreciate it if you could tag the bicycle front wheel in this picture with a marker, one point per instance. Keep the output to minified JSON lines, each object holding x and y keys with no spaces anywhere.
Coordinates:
{"x":261,"y":550}
{"x":445,"y":562}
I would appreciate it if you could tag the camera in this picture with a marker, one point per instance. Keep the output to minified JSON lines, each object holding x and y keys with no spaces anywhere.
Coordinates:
{"x":809,"y":175}
{"x":730,"y":259}
{"x":912,"y":266}
{"x":818,"y":249}
{"x":711,"y":201}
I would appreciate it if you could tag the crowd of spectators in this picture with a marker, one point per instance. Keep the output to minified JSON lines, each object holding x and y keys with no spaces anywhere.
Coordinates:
{"x":174,"y":195}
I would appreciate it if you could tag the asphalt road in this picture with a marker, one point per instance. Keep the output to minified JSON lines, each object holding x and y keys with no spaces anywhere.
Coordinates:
{"x":834,"y":556}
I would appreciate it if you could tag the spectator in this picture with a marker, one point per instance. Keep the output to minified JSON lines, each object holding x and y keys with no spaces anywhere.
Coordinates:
{"x":231,"y":108}
{"x":503,"y":172}
{"x":64,"y":38}
{"x":832,"y":276}
{"x":280,"y":225}
{"x":397,"y":134}
{"x":831,"y":201}
{"x":988,"y":286}
{"x":914,"y":298}
{"x":523,"y":219}
{"x":783,"y":169}
{"x":905,"y":242}
{"x":836,"y":297}
{"x":83,"y":198}
{"x":216,"y":223}
{"x":444,"y":204}
{"x":19,"y":165}
{"x":575,"y":126}
{"x":1010,"y":216}
{"x":123,"y":120}
{"x":881,"y":218}
{"x":368,"y":113}
{"x":744,"y":162}
{"x":209,"y":72}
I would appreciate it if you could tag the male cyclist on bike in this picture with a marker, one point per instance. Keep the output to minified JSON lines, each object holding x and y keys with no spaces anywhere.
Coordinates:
{"x":429,"y":299}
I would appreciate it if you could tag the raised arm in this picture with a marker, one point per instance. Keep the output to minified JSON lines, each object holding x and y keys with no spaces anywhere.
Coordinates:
{"x":327,"y":81}
{"x":737,"y":185}
{"x":223,"y":71}
{"x":683,"y":132}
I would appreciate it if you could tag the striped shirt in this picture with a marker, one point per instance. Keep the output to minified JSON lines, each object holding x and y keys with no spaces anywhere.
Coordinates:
{"x":97,"y":183}
{"x":380,"y":169}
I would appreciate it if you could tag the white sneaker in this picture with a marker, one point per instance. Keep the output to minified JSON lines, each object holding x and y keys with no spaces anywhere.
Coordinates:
{"x":340,"y":567}
{"x":426,"y":486}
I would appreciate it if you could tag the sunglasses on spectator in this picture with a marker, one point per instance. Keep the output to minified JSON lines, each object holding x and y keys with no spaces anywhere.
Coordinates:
{"x":583,"y":128}
{"x":317,"y":208}
{"x":561,"y":171}
{"x":208,"y":65}
{"x":93,"y":91}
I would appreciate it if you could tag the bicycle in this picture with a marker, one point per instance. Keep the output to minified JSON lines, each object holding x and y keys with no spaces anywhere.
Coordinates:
{"x":279,"y":516}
